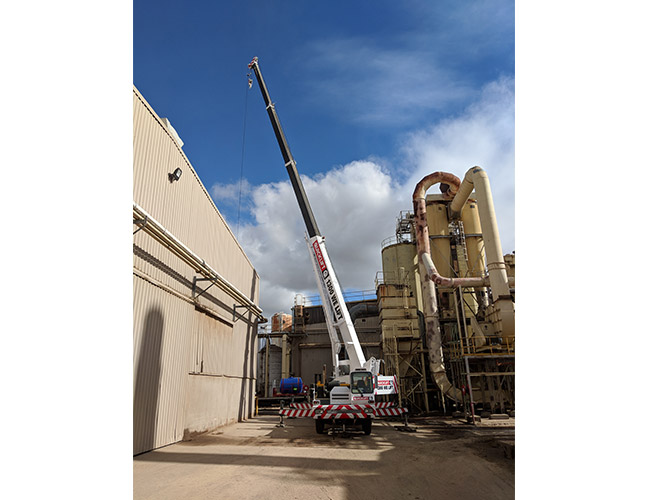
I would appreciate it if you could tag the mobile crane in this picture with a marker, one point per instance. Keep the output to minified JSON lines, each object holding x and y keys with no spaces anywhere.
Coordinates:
{"x":356,"y":380}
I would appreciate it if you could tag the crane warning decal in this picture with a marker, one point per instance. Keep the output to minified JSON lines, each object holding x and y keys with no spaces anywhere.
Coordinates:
{"x":319,"y":257}
{"x":327,"y":281}
{"x":386,"y":385}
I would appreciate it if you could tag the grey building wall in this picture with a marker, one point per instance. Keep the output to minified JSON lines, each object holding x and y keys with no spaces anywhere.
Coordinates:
{"x":194,"y":364}
{"x":313,"y":350}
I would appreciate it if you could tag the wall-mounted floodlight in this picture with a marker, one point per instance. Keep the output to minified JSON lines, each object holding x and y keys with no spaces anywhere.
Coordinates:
{"x":174,"y":176}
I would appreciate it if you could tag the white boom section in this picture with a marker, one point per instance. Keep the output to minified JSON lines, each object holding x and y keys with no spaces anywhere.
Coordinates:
{"x":336,"y":313}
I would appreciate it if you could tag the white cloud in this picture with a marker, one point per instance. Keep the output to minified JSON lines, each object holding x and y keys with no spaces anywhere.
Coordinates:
{"x":229,"y":194}
{"x":356,"y":205}
{"x":483,"y":136}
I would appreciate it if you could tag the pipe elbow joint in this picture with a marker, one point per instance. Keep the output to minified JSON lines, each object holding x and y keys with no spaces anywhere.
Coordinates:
{"x":457,"y":204}
{"x":469,"y":175}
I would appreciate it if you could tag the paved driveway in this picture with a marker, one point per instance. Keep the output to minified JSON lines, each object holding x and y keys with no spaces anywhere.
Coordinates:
{"x":258,"y":460}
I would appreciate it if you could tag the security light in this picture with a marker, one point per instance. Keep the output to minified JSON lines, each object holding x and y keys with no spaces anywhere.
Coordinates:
{"x":175,"y":175}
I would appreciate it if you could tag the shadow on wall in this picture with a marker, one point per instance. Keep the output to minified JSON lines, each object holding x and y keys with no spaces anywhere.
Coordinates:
{"x":147,"y":382}
{"x":246,"y":394}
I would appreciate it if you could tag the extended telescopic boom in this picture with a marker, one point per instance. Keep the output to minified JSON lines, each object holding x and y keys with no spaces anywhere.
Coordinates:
{"x":336,"y":313}
{"x":289,"y":162}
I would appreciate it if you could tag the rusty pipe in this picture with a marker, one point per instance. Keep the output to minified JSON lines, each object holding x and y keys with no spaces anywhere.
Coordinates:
{"x":428,"y":276}
{"x":419,"y":195}
{"x":476,"y":179}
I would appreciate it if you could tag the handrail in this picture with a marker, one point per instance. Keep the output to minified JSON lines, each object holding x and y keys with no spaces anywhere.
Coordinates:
{"x":494,"y":345}
{"x":349,"y":296}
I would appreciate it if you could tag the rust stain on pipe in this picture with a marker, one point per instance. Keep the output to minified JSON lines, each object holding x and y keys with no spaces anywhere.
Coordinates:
{"x":422,"y":230}
{"x":430,"y":277}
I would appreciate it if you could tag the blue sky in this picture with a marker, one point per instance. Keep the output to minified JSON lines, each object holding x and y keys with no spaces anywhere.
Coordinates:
{"x":391,"y":90}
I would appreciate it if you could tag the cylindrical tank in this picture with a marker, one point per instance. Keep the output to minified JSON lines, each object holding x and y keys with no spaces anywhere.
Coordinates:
{"x":274,"y":368}
{"x":439,"y":237}
{"x":396,"y":256}
{"x":291,"y":385}
{"x":281,"y":322}
{"x":475,"y":246}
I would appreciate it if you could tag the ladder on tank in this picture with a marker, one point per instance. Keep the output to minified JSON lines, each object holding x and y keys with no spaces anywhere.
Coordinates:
{"x":457,"y":232}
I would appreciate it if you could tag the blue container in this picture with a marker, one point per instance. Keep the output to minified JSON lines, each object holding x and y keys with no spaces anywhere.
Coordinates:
{"x":292,"y":385}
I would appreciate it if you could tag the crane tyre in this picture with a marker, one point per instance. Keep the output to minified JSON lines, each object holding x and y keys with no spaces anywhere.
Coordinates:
{"x":320,"y":426}
{"x":367,"y":426}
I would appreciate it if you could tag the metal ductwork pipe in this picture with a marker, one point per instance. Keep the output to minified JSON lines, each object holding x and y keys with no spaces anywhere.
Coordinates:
{"x":429,"y":276}
{"x":156,"y":230}
{"x":476,"y":179}
{"x":363,"y":310}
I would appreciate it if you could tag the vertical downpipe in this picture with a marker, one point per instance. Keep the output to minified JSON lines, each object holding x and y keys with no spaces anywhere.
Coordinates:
{"x":432,"y":323}
{"x":476,"y":178}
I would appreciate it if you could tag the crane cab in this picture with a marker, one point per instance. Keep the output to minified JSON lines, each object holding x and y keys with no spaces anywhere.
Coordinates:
{"x":360,"y":390}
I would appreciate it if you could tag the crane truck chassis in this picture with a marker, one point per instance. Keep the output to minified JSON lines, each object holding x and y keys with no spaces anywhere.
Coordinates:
{"x":356,"y":381}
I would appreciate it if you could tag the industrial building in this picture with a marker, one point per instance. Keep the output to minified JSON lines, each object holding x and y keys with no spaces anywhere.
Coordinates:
{"x":299,"y":344}
{"x":451,"y":344}
{"x":195,"y":297}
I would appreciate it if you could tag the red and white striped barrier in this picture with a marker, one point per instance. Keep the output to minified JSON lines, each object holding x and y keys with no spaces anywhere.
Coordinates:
{"x":346,"y":411}
{"x":301,"y":406}
{"x":390,"y":412}
{"x":342,"y":411}
{"x":288,"y":412}
{"x":307,"y":406}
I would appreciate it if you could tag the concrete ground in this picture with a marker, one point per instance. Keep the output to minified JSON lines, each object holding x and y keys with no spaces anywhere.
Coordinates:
{"x":258,"y":460}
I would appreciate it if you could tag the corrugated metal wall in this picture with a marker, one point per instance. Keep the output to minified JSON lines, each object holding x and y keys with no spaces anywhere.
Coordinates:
{"x":194,"y":367}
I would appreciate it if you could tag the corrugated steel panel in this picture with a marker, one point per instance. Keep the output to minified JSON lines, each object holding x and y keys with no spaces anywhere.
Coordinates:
{"x":184,"y":207}
{"x":161,"y":323}
{"x":172,"y":340}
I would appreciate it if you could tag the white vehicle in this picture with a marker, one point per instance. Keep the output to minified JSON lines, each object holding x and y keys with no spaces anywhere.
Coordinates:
{"x":356,"y":380}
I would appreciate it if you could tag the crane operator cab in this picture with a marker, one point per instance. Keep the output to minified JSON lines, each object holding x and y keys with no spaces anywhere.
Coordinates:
{"x":359,"y":390}
{"x":362,"y":387}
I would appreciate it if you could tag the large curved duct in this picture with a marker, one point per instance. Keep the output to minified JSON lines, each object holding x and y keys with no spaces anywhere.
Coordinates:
{"x":476,"y":179}
{"x":423,"y":244}
{"x":429,"y":276}
{"x":363,"y":310}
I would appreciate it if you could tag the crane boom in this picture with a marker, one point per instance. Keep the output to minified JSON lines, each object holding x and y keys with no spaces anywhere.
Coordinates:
{"x":289,"y":162}
{"x":336,"y":313}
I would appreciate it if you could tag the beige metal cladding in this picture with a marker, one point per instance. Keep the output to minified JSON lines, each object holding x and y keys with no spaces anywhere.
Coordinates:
{"x":183,"y":207}
{"x":194,"y":365}
{"x":160,"y":351}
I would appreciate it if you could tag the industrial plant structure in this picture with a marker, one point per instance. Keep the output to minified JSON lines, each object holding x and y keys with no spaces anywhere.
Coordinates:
{"x":195,"y":297}
{"x":442,"y":318}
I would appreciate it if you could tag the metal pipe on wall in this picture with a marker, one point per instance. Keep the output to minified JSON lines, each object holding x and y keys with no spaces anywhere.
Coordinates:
{"x":476,"y":179}
{"x":428,"y":275}
{"x":152,"y":227}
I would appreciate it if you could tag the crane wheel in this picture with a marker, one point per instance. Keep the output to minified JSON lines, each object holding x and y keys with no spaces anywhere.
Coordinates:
{"x":367,"y":426}
{"x":320,"y":426}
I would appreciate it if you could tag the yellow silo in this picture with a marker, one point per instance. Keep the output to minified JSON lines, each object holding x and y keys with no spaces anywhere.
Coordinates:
{"x":439,"y":237}
{"x":473,"y":239}
{"x":399,"y":263}
{"x":398,"y":305}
